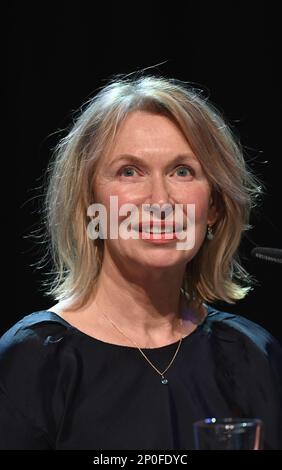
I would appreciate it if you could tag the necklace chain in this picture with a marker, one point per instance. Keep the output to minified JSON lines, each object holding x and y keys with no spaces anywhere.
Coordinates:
{"x":161,"y":373}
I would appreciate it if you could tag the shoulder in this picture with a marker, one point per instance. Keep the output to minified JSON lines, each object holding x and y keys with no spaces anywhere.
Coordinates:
{"x":247,"y":363}
{"x":34,"y":354}
{"x":233,"y":328}
{"x":28,"y":341}
{"x":33,"y":329}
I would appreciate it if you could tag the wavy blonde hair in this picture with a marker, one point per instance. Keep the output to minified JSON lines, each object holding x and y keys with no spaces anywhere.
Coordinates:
{"x":215,"y":272}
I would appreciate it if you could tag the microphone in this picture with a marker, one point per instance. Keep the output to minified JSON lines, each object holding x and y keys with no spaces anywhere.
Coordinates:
{"x":268,"y":254}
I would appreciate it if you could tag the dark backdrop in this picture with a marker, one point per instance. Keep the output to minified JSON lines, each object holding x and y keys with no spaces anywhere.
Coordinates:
{"x":59,"y":55}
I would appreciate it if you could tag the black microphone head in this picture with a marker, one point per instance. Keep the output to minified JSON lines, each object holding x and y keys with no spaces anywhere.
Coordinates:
{"x":268,"y":254}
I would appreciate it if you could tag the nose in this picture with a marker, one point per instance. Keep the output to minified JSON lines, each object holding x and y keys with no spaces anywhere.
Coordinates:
{"x":159,"y":197}
{"x":159,"y":193}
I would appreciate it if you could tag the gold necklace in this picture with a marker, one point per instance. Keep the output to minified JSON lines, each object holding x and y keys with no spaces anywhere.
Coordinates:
{"x":164,"y":380}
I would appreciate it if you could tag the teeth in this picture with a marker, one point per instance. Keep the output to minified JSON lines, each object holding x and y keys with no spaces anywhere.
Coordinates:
{"x":158,"y":230}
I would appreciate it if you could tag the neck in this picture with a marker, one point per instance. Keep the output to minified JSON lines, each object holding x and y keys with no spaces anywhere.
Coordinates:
{"x":151,"y":303}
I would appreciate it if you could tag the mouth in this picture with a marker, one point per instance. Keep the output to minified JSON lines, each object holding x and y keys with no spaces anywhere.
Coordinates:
{"x":159,"y":232}
{"x":157,"y":228}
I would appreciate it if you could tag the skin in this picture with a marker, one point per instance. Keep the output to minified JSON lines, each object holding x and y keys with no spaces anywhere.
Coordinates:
{"x":144,"y":278}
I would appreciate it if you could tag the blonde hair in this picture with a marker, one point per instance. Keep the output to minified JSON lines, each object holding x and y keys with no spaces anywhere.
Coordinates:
{"x":215,"y":272}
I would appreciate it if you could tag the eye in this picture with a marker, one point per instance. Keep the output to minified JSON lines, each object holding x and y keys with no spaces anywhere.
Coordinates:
{"x":184,"y":171}
{"x":127,"y":171}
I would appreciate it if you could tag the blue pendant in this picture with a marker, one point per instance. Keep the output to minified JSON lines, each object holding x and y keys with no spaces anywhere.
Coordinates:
{"x":164,"y":381}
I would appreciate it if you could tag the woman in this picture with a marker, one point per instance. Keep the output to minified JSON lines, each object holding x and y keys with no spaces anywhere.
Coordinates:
{"x":133,"y":353}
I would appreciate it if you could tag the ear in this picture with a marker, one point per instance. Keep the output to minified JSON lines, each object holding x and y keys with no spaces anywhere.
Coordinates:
{"x":213,"y":212}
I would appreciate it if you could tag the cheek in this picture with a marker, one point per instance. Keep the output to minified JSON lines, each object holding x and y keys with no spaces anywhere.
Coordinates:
{"x":201,"y":211}
{"x":123,"y":195}
{"x":109,"y":198}
{"x":113,"y":201}
{"x":200,"y":197}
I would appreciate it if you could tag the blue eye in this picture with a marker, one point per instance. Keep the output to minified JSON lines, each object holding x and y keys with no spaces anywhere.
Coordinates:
{"x":127,"y":171}
{"x":183,"y":171}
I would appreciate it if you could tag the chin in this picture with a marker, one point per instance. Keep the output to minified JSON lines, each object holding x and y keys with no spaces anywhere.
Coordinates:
{"x":162,"y":259}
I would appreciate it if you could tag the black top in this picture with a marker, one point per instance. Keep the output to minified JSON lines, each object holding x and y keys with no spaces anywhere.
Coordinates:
{"x":63,"y":389}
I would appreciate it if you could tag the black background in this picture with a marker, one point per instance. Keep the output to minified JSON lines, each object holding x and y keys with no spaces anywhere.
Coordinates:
{"x":59,"y":54}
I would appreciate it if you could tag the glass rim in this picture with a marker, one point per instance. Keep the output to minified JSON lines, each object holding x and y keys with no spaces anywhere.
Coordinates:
{"x":225,"y":422}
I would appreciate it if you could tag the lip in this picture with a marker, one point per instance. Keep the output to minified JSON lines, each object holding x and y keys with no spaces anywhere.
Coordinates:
{"x":163,"y":225}
{"x":158,"y":238}
{"x":151,"y":238}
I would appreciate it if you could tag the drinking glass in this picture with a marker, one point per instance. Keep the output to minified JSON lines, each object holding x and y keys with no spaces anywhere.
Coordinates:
{"x":228,"y":434}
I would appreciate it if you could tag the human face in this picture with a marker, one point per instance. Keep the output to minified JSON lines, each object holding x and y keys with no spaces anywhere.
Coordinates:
{"x":151,"y":162}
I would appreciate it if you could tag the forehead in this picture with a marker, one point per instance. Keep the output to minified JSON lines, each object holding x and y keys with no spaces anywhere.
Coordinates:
{"x":145,"y":132}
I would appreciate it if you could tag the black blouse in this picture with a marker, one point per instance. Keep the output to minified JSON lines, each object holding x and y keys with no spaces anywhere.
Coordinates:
{"x":63,"y":389}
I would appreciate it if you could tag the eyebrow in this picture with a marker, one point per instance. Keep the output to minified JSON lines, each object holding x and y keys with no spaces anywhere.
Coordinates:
{"x":139,"y":160}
